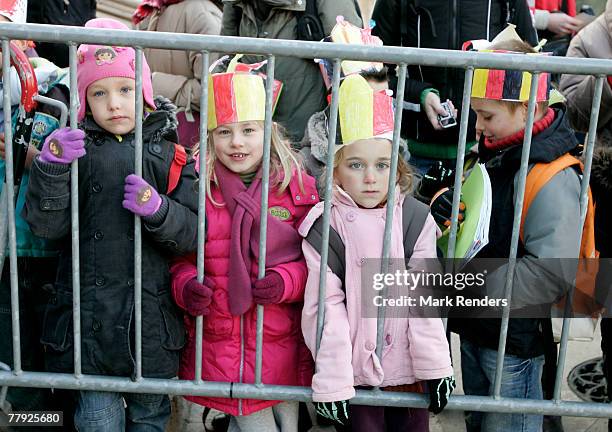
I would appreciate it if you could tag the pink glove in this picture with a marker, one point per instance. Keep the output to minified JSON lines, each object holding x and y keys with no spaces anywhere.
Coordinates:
{"x":139,"y":197}
{"x":269,"y":290}
{"x":198,"y":296}
{"x":63,"y":146}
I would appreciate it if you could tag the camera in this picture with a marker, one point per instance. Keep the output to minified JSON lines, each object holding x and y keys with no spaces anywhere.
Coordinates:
{"x":447,"y":120}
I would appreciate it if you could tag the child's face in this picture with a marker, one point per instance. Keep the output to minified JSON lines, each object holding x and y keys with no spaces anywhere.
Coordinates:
{"x":496,"y":120}
{"x":363,"y":171}
{"x":113,"y":104}
{"x":239,"y":146}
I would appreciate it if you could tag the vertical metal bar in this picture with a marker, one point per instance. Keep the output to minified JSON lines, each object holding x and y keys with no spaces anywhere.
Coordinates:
{"x":137,"y":225}
{"x":329,"y":163}
{"x":465,"y":114}
{"x":584,"y":200}
{"x":263,"y":215}
{"x":202,"y":206}
{"x":10,"y":203}
{"x":518,"y":210}
{"x":74,"y":217}
{"x":384,"y":266}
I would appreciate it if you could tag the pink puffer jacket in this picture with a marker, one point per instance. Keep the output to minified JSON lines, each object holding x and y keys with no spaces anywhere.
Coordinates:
{"x":414,"y":349}
{"x":286,"y":360}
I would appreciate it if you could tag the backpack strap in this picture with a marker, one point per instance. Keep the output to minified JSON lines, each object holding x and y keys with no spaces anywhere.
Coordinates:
{"x":178,"y":162}
{"x":538,"y":176}
{"x":414,"y":216}
{"x":336,"y":252}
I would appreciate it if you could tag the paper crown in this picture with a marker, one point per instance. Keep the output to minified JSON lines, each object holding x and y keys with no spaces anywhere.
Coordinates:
{"x":507,"y":85}
{"x":238,"y":94}
{"x":363,"y":112}
{"x":346,"y":33}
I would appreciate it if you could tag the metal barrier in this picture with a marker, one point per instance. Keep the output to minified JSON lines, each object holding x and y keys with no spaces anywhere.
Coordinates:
{"x":467,"y":61}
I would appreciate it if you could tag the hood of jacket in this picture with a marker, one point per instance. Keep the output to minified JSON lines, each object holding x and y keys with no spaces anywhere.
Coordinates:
{"x":601,"y":171}
{"x":161,"y":123}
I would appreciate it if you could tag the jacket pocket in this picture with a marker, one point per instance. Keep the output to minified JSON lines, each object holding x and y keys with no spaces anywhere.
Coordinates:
{"x":171,"y":331}
{"x":57,"y":322}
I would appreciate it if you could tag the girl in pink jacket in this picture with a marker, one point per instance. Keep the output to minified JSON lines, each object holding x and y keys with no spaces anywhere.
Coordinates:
{"x":415,"y":353}
{"x":228,"y":297}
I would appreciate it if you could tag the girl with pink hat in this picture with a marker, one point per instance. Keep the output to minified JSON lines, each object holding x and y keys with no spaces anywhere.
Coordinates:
{"x":110,"y":194}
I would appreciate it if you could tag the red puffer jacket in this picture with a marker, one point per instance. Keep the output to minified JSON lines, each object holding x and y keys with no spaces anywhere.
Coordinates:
{"x":286,"y":360}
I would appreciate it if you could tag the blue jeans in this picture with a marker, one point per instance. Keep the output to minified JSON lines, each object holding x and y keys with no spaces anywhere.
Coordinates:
{"x":521,"y":379}
{"x":105,"y":412}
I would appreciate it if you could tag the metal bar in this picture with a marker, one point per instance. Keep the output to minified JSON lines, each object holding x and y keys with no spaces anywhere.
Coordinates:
{"x":465,"y":114}
{"x":584,"y":200}
{"x":518,"y":210}
{"x":4,"y":389}
{"x":74,"y":216}
{"x":292,"y":48}
{"x":263,"y":215}
{"x":137,"y":226}
{"x":10,"y":200}
{"x":57,"y":104}
{"x":270,"y":392}
{"x":384,"y":265}
{"x":202,"y":207}
{"x":331,"y":144}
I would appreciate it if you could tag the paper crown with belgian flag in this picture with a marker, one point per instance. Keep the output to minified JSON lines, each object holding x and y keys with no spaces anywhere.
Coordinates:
{"x":506,"y":85}
{"x":238,"y":94}
{"x":363,"y":113}
{"x":346,"y":33}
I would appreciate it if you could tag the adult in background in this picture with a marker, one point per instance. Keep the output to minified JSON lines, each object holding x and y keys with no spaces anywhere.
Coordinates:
{"x":443,"y":25}
{"x":595,"y":41}
{"x":177,"y":74}
{"x":303,"y":92}
{"x":59,"y":12}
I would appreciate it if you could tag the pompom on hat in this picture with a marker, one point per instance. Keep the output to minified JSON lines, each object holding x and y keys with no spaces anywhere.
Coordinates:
{"x":96,"y":62}
{"x":14,"y":10}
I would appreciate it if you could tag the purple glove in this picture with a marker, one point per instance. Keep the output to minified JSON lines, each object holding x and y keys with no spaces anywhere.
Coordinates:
{"x":63,"y":146}
{"x":139,"y":197}
{"x":198,"y":296}
{"x":269,"y":290}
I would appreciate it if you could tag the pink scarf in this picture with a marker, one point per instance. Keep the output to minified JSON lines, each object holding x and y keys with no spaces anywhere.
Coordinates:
{"x":284,"y":244}
{"x":147,"y":7}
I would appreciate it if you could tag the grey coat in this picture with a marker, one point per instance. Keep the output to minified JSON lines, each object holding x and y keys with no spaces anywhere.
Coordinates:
{"x":303,"y":92}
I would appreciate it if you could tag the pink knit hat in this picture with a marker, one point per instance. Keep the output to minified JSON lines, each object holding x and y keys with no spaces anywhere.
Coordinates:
{"x":96,"y":62}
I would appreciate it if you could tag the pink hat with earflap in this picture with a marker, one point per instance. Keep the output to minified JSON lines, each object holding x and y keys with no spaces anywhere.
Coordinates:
{"x":96,"y":62}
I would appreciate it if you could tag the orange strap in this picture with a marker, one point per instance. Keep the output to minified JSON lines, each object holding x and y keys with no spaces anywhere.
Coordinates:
{"x":538,"y":176}
{"x":178,"y":162}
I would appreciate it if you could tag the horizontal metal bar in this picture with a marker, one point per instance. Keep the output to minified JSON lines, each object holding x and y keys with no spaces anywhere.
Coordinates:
{"x":291,"y":48}
{"x":269,"y":392}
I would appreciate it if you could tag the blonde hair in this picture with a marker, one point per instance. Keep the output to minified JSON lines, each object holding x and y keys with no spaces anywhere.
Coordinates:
{"x":284,"y":163}
{"x":403,"y":179}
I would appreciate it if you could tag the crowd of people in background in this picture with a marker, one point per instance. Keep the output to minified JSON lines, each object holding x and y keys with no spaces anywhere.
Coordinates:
{"x":416,"y":356}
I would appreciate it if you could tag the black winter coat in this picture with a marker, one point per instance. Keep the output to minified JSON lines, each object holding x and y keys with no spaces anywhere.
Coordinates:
{"x":107,"y":251}
{"x":443,"y":25}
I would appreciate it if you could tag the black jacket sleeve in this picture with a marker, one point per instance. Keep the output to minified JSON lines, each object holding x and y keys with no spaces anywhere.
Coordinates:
{"x":47,"y":204}
{"x":176,"y":231}
{"x":387,"y":16}
{"x":521,"y":17}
